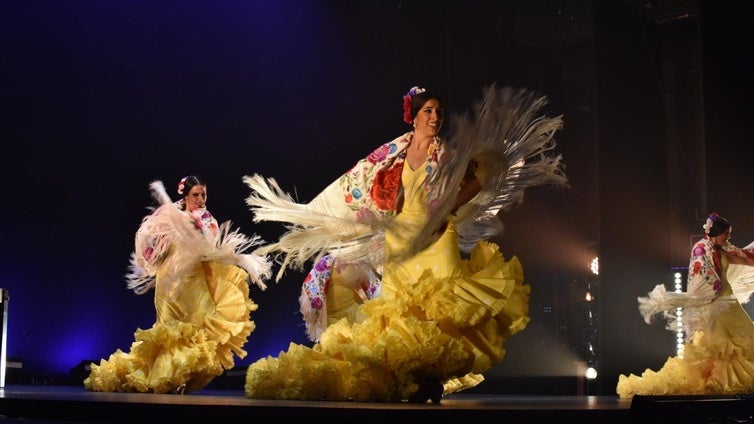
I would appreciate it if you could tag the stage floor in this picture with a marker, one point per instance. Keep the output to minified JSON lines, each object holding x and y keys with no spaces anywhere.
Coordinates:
{"x":40,"y":404}
{"x":59,"y":404}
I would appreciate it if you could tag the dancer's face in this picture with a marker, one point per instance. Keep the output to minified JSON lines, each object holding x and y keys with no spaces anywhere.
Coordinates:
{"x":429,"y":118}
{"x":196,"y":198}
{"x":722,"y":239}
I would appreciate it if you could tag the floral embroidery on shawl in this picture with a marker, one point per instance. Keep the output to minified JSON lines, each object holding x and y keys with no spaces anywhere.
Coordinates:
{"x":374,"y":183}
{"x":313,"y":302}
{"x":705,"y":266}
{"x":315,"y":283}
{"x":318,"y":279}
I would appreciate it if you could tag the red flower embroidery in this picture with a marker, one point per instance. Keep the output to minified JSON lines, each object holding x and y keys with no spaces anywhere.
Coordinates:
{"x":385,"y":187}
{"x":317,"y":303}
{"x":148,"y":252}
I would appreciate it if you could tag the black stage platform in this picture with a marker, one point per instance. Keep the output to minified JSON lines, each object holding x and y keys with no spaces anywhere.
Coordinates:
{"x":39,"y":404}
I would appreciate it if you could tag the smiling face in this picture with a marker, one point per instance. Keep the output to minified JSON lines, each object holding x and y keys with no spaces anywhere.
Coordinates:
{"x":429,"y":118}
{"x":196,"y":198}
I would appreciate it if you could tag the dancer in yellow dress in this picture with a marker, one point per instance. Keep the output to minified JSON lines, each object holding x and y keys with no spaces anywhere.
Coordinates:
{"x":718,"y":356}
{"x":200,"y":277}
{"x":405,"y":227}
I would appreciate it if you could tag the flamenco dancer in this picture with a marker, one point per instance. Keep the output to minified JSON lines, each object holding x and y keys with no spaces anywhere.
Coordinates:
{"x":718,"y":356}
{"x":200,"y":278}
{"x":407,"y":300}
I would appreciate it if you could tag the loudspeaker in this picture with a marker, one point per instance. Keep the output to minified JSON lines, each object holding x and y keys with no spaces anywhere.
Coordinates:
{"x":705,"y":409}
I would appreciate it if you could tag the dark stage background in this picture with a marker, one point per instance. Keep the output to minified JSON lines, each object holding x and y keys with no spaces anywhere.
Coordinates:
{"x":102,"y":97}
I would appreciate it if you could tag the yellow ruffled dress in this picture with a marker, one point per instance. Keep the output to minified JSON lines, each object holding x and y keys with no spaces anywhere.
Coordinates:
{"x":718,"y":360}
{"x":192,"y":341}
{"x":201,"y":297}
{"x":439,"y":318}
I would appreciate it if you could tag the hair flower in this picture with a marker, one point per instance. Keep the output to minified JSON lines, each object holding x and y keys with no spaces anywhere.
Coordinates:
{"x":182,"y":185}
{"x":413,"y":91}
{"x":710,"y":222}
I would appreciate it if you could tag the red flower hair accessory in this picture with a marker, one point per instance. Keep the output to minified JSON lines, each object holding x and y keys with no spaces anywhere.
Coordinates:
{"x":182,"y":185}
{"x":407,"y":103}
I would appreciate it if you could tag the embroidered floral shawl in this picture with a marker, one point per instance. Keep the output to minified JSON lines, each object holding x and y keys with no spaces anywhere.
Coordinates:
{"x":372,"y":187}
